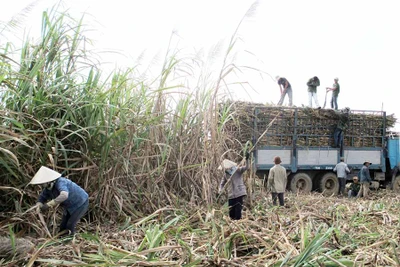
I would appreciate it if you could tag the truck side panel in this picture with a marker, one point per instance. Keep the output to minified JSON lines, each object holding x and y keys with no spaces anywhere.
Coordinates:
{"x":265,"y":157}
{"x":358,"y":157}
{"x":317,"y":157}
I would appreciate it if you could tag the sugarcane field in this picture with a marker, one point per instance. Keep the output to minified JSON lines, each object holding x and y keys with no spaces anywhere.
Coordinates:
{"x":162,"y":166}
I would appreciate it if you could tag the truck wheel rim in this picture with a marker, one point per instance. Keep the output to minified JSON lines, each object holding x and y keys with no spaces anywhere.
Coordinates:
{"x":329,"y":184}
{"x":300,"y":184}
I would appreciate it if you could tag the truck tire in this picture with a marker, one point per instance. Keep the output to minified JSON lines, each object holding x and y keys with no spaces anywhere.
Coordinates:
{"x":396,"y":184}
{"x":329,"y":184}
{"x":301,"y":183}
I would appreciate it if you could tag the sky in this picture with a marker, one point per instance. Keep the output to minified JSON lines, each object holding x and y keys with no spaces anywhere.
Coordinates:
{"x":356,"y":41}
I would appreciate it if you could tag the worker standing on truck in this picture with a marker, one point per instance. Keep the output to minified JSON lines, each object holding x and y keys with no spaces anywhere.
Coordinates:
{"x":342,"y":170}
{"x":335,"y":93}
{"x":61,"y":191}
{"x":286,"y":89}
{"x":277,"y":179}
{"x":233,"y":179}
{"x":365,"y":180}
{"x":312,"y":84}
{"x":354,"y":188}
{"x":343,"y":123}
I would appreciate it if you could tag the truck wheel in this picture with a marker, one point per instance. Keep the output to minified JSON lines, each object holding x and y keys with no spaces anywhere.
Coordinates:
{"x":301,"y":183}
{"x":396,"y":184}
{"x":329,"y":184}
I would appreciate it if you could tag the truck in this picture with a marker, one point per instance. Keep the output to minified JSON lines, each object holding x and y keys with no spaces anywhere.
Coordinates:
{"x":303,"y":139}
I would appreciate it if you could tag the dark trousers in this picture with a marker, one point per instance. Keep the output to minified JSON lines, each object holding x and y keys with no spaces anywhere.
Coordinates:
{"x":279,"y":196}
{"x":342,"y":184}
{"x":69,"y":220}
{"x":235,"y":208}
{"x":338,"y":137}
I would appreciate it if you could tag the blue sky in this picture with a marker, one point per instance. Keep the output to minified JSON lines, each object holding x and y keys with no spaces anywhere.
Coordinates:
{"x":357,"y":41}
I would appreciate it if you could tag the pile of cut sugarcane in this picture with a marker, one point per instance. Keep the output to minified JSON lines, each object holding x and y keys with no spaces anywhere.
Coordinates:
{"x":276,"y":125}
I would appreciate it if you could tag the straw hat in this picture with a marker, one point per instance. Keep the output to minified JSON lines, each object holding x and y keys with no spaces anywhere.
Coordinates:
{"x":44,"y":175}
{"x":226,"y":164}
{"x":367,"y":162}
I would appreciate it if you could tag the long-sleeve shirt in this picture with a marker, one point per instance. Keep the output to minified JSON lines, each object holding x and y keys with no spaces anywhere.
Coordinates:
{"x":355,"y":187}
{"x":277,"y":179}
{"x":364,"y":175}
{"x":341,"y":169}
{"x":76,"y":195}
{"x":312,"y":85}
{"x":236,"y":188}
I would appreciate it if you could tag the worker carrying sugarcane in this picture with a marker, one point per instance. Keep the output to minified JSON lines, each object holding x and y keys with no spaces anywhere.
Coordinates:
{"x":61,"y":191}
{"x":312,"y":84}
{"x":286,"y":89}
{"x":233,"y":180}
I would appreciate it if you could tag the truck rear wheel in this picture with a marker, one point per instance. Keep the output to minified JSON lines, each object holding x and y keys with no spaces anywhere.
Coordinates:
{"x":396,"y":184}
{"x":329,"y":184}
{"x":301,"y":183}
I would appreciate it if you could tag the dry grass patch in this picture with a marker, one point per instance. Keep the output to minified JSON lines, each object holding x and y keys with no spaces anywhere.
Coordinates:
{"x":311,"y":230}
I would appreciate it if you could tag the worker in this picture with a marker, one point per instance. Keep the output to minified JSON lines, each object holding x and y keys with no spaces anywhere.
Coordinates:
{"x":342,"y":170}
{"x":365,"y":180}
{"x":343,"y":123}
{"x":395,"y":171}
{"x":277,"y":179}
{"x":353,"y":187}
{"x":312,"y":84}
{"x":233,"y":180}
{"x":286,"y":89}
{"x":61,"y":191}
{"x":335,"y":89}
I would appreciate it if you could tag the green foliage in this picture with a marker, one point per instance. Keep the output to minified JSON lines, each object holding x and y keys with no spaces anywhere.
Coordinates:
{"x":134,"y":142}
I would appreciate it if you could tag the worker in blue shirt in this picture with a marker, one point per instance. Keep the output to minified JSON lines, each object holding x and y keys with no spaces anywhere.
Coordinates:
{"x":61,"y":191}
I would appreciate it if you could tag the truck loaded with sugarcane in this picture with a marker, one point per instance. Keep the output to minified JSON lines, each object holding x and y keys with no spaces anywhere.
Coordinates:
{"x":304,"y":140}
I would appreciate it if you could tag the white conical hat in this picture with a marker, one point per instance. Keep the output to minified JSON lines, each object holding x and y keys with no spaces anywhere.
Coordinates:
{"x":226,"y":164}
{"x":44,"y":175}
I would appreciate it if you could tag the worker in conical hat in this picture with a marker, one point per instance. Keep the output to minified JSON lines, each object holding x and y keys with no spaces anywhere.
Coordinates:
{"x":61,"y":191}
{"x":236,"y":187}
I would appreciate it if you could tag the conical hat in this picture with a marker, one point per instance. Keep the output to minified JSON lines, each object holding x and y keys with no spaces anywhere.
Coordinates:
{"x":226,"y":164}
{"x":44,"y":175}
